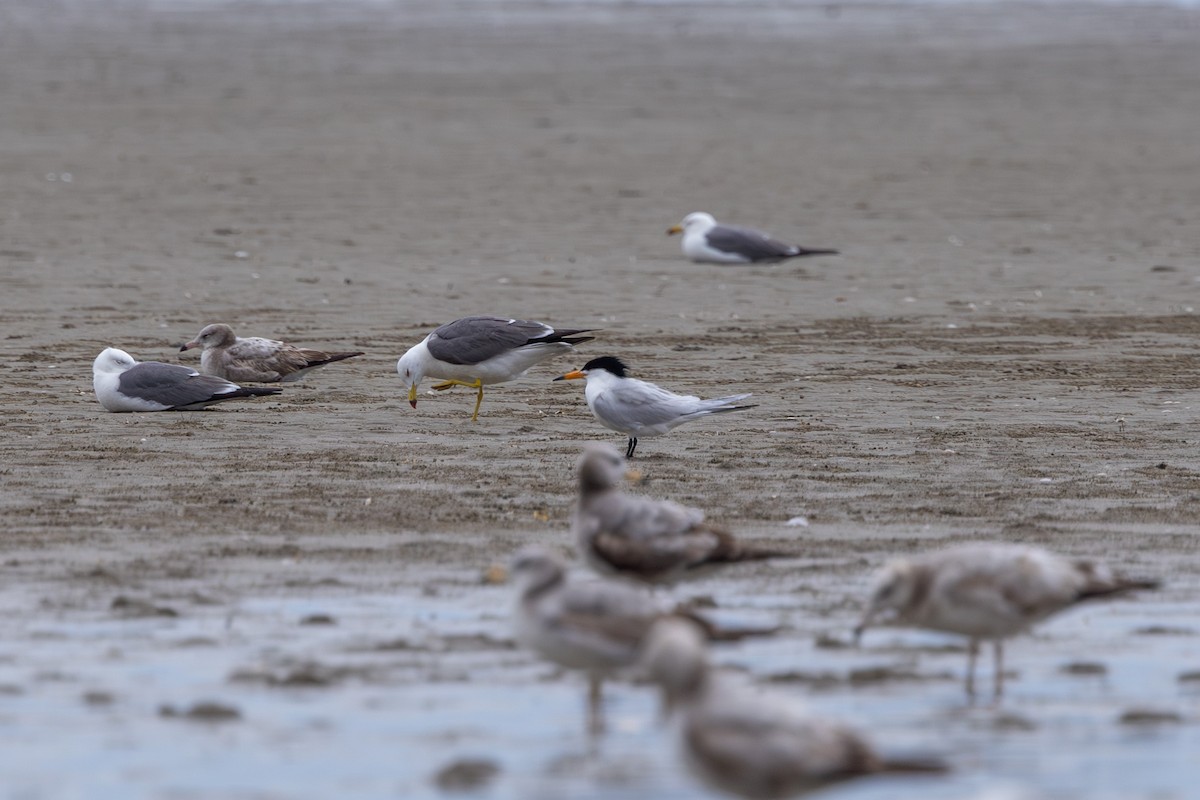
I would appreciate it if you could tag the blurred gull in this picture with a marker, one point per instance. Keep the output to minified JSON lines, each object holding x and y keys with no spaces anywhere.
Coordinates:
{"x":123,"y":384}
{"x":596,"y":626}
{"x":651,"y":540}
{"x":987,"y":592}
{"x":750,"y":743}
{"x":256,"y":359}
{"x":637,"y":408}
{"x":704,"y":239}
{"x":479,"y":351}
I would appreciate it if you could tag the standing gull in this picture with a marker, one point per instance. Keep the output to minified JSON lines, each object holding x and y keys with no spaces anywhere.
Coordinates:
{"x":256,"y":359}
{"x":595,"y":626}
{"x":651,"y":540}
{"x":123,"y":384}
{"x":479,"y":351}
{"x":704,"y":239}
{"x":750,"y":743}
{"x":638,"y":408}
{"x":987,"y":592}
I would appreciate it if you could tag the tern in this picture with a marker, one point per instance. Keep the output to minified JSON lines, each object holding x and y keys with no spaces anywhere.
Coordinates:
{"x":638,"y":408}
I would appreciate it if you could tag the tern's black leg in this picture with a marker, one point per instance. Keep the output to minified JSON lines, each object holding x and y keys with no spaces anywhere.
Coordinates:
{"x":631,"y":447}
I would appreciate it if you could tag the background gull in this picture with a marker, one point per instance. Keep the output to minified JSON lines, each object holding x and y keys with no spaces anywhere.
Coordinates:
{"x":704,"y":239}
{"x":750,"y":743}
{"x":987,"y":592}
{"x":123,"y":384}
{"x":640,"y":409}
{"x":651,"y":540}
{"x":479,"y":351}
{"x":256,"y":359}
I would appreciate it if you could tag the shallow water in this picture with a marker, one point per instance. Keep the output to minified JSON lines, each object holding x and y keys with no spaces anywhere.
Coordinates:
{"x":386,"y":689}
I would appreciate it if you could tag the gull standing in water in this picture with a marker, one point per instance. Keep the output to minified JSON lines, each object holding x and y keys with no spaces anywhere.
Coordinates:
{"x":651,"y":540}
{"x":123,"y":384}
{"x":639,"y":408}
{"x":596,"y":626}
{"x":987,"y":592}
{"x":704,"y":239}
{"x":255,"y":359}
{"x":750,"y":743}
{"x":479,"y":351}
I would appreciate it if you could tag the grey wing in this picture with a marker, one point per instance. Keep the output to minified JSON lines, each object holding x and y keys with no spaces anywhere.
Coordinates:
{"x":643,"y":517}
{"x":171,"y":384}
{"x":641,"y":405}
{"x":473,"y":340}
{"x":746,"y":242}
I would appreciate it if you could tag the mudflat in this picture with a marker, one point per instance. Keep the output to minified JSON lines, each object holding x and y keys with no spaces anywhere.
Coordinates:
{"x":1005,"y":349}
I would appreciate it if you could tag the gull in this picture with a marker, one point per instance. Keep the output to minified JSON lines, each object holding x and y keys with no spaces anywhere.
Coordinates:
{"x":638,"y":408}
{"x":256,"y":359}
{"x":987,"y":592}
{"x":478,"y":351}
{"x":750,"y":743}
{"x":123,"y":384}
{"x":704,"y":239}
{"x":596,"y":626}
{"x":656,"y":541}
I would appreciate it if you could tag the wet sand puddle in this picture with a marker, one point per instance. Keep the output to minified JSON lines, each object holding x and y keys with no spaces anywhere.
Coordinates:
{"x":311,"y":697}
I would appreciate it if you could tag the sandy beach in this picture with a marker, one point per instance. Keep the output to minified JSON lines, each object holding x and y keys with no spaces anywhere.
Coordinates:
{"x":1005,"y":349}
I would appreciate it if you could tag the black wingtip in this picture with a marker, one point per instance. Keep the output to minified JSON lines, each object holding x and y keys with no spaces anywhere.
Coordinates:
{"x":805,"y":252}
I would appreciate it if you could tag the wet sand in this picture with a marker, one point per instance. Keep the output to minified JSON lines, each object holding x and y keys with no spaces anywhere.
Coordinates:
{"x":1005,"y":350}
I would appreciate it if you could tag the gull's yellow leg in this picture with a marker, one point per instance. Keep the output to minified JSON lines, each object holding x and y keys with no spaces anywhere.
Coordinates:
{"x":478,"y":401}
{"x":444,"y":385}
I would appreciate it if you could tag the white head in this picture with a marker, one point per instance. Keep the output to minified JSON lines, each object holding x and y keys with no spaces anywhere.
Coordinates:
{"x":112,"y":362}
{"x":697,"y":221}
{"x":411,"y":368}
{"x":675,"y":654}
{"x":892,"y":591}
{"x":534,"y":567}
{"x":601,"y":467}
{"x":215,"y":335}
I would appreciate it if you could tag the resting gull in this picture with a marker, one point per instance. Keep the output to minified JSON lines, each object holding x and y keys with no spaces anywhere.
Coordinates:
{"x":638,"y":408}
{"x":642,"y":538}
{"x":123,"y":384}
{"x":256,"y":359}
{"x":704,"y":239}
{"x":479,"y":351}
{"x":751,"y":743}
{"x":987,"y":592}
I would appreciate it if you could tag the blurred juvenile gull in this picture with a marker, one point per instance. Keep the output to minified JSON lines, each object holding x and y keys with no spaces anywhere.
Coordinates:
{"x":596,"y":626}
{"x":638,"y":408}
{"x":987,"y":592}
{"x":750,"y":743}
{"x":256,"y":359}
{"x":479,"y":351}
{"x":638,"y":537}
{"x":704,"y":239}
{"x":123,"y":384}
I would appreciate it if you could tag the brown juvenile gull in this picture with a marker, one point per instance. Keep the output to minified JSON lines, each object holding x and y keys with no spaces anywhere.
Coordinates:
{"x":750,"y":743}
{"x":596,"y":626}
{"x":638,"y":408}
{"x":256,"y":359}
{"x":651,"y":540}
{"x":987,"y":592}
{"x":704,"y":239}
{"x":123,"y":384}
{"x":479,"y":351}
